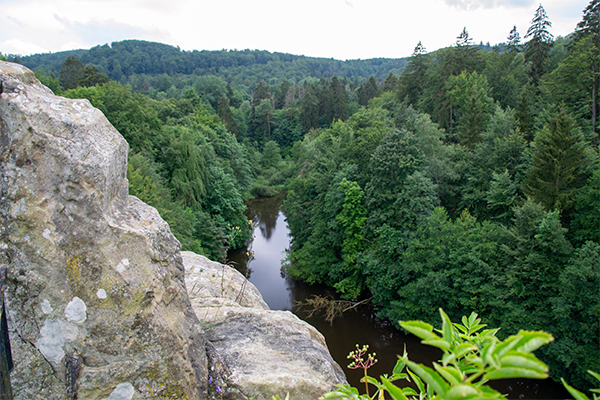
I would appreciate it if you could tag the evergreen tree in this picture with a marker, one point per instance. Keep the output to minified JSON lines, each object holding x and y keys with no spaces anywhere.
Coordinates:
{"x":338,"y":99}
{"x":281,"y":96}
{"x":514,"y":40}
{"x":367,"y":91}
{"x":390,"y":83}
{"x":558,"y":161}
{"x":261,"y":92}
{"x":590,"y":24}
{"x":226,"y":115}
{"x":464,"y":56}
{"x":71,"y":73}
{"x":412,"y":80}
{"x":539,"y":44}
{"x":590,"y":27}
{"x":91,"y":77}
{"x":309,"y":109}
{"x":524,"y":116}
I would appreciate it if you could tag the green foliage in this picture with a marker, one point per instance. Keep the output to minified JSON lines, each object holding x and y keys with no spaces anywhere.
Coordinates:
{"x":576,"y":83}
{"x":539,"y":44}
{"x":577,"y":395}
{"x":71,"y":73}
{"x":558,"y":159}
{"x":469,"y":94}
{"x":352,"y":218}
{"x":471,"y":358}
{"x":133,"y":58}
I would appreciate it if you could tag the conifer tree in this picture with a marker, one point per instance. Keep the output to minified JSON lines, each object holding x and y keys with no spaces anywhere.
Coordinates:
{"x":412,"y":80}
{"x":539,"y":44}
{"x":514,"y":39}
{"x":367,"y":91}
{"x":226,"y":116}
{"x":261,"y":92}
{"x":590,"y":23}
{"x":558,"y":160}
{"x":338,"y":99}
{"x":71,"y":73}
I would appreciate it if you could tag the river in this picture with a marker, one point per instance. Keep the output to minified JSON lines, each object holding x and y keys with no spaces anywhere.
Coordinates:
{"x":261,"y":263}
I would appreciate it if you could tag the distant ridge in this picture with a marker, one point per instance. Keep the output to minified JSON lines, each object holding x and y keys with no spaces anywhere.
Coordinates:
{"x":123,"y":59}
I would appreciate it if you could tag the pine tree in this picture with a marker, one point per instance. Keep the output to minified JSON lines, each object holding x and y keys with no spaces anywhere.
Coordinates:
{"x":538,"y":47}
{"x":590,"y":24}
{"x":514,"y":40}
{"x":590,"y":27}
{"x":226,"y":116}
{"x":558,"y":160}
{"x":412,"y":79}
{"x":339,"y":100}
{"x":261,"y":92}
{"x":367,"y":91}
{"x":71,"y":73}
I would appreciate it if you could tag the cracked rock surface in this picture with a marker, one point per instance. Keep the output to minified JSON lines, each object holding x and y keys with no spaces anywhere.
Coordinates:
{"x":96,"y":298}
{"x":262,"y":352}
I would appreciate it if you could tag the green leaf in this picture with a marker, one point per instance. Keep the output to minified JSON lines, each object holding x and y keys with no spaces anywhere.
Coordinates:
{"x":594,"y":374}
{"x":417,"y":381}
{"x":446,"y":327}
{"x":488,"y":353}
{"x":477,"y":361}
{"x":448,"y":358}
{"x":462,"y":392}
{"x":399,"y":367}
{"x":393,"y":390}
{"x":420,"y":329}
{"x":437,"y":342}
{"x":463,"y":349}
{"x":514,"y":372}
{"x":408,"y":391}
{"x":523,"y":360}
{"x":577,"y":395}
{"x":507,"y":345}
{"x":450,"y":374}
{"x":429,"y":376}
{"x":370,"y":380}
{"x":532,"y":341}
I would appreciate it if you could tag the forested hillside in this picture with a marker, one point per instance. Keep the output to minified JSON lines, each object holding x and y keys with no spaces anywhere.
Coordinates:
{"x":140,"y":63}
{"x":468,"y":180}
{"x":470,"y":183}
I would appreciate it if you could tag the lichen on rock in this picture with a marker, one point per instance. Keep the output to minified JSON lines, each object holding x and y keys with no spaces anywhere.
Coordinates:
{"x":67,"y":225}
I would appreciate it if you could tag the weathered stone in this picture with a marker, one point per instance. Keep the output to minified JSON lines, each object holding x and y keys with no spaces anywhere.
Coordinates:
{"x":259,"y":352}
{"x":94,"y":275}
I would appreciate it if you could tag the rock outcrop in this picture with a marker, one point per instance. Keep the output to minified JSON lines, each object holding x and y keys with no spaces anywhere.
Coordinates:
{"x":96,"y":296}
{"x":96,"y":293}
{"x":264,"y":352}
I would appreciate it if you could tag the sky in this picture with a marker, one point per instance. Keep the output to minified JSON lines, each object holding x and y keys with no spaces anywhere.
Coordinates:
{"x":339,"y":29}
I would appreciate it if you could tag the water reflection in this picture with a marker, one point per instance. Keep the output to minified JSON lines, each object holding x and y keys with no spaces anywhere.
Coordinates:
{"x":360,"y":326}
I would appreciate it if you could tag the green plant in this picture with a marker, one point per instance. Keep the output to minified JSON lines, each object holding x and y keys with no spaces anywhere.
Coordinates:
{"x":472,"y":357}
{"x":359,"y":362}
{"x":577,"y":395}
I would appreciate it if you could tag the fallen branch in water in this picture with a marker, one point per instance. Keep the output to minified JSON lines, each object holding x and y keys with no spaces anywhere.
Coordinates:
{"x":331,"y":307}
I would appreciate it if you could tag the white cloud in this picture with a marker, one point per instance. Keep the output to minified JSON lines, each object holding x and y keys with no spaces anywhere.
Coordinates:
{"x":18,"y":46}
{"x":476,"y":4}
{"x":342,"y":29}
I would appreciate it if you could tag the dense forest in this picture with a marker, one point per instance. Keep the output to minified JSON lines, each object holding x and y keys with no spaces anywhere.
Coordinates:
{"x":146,"y":65}
{"x":467,"y":179}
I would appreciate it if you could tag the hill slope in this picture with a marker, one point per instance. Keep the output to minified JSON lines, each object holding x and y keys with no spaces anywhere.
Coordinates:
{"x":239,"y":67}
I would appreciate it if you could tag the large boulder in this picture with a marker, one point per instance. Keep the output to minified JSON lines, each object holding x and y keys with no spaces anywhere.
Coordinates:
{"x":96,"y":298}
{"x":255,"y":352}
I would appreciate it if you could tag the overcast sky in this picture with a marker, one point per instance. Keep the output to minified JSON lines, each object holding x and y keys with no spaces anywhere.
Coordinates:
{"x":340,"y":29}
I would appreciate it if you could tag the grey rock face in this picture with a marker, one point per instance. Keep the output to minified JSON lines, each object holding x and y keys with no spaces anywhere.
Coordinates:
{"x":96,"y":296}
{"x":257,"y":352}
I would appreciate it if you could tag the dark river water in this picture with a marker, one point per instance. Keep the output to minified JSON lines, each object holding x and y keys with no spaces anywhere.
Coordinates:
{"x":261,"y":262}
